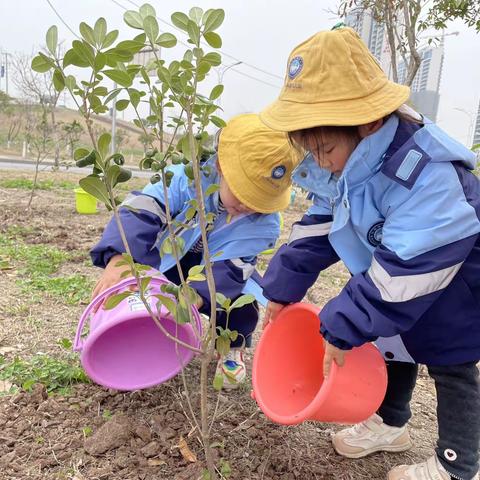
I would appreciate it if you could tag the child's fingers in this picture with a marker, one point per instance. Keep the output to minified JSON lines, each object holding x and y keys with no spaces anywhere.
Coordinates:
{"x":327,"y":364}
{"x":269,"y":314}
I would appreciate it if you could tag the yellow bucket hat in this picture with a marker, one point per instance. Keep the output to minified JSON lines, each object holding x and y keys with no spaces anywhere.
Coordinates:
{"x":257,"y":163}
{"x":333,"y":79}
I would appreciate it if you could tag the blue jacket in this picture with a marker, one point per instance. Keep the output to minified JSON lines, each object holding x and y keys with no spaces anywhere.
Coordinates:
{"x":404,"y":217}
{"x":233,"y":245}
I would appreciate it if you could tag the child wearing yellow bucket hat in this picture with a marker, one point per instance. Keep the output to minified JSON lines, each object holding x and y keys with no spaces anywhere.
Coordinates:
{"x":253,"y":167}
{"x":395,"y":199}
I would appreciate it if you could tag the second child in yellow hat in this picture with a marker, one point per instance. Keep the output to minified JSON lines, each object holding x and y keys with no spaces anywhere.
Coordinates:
{"x":394,"y":199}
{"x":253,"y":168}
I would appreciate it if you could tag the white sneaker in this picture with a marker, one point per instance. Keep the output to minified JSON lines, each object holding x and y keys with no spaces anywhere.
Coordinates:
{"x":232,"y":368}
{"x":369,"y":437}
{"x":431,"y":469}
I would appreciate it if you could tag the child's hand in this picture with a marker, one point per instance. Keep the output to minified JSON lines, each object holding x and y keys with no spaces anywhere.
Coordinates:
{"x":272,"y":310}
{"x":332,"y":354}
{"x":110,"y":276}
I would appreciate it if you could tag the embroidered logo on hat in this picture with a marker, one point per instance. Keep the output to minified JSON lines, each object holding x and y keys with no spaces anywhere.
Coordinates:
{"x":295,"y":67}
{"x":278,"y":172}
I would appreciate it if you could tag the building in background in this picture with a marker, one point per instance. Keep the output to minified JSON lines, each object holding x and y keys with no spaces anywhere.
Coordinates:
{"x":476,"y":132}
{"x":425,"y":88}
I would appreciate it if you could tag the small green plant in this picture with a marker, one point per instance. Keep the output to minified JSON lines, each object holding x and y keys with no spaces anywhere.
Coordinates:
{"x":57,"y":374}
{"x":87,"y":431}
{"x":175,"y":132}
{"x":107,"y":414}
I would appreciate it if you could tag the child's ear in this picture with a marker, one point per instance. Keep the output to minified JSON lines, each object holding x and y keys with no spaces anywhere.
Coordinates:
{"x":369,"y":128}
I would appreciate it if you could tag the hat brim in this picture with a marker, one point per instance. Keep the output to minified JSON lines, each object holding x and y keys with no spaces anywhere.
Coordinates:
{"x":288,"y":116}
{"x":255,"y":199}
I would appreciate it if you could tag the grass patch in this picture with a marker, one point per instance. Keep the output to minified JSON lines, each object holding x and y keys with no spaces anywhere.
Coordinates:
{"x":27,"y":184}
{"x":38,"y":264}
{"x":72,"y":289}
{"x":15,"y":231}
{"x":57,"y":374}
{"x":37,"y":259}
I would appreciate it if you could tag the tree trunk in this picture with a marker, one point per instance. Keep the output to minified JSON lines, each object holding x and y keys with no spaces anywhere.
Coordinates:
{"x":411,"y":10}
{"x":34,"y":186}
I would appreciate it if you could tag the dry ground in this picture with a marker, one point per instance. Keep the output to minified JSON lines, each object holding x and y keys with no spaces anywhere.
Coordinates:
{"x":86,"y":432}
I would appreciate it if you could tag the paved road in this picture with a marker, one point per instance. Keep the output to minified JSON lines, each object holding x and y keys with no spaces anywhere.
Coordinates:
{"x":9,"y":163}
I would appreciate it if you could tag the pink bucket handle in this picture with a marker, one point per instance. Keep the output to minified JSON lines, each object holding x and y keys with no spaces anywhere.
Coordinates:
{"x":78,"y":343}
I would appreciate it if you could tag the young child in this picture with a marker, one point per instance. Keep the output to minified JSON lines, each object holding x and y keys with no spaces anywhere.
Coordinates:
{"x":253,"y":168}
{"x":396,"y":200}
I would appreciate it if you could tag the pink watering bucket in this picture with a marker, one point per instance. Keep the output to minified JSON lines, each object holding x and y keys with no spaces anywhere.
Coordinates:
{"x":125,"y":349}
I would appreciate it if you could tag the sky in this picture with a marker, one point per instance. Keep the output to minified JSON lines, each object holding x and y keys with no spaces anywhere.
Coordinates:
{"x":259,"y":33}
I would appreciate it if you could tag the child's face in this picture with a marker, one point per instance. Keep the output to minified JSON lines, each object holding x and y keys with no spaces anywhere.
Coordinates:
{"x":331,"y":151}
{"x":230,"y":201}
{"x":331,"y":147}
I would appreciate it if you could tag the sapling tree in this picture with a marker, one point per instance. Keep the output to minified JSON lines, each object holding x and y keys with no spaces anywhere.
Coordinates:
{"x":175,"y":132}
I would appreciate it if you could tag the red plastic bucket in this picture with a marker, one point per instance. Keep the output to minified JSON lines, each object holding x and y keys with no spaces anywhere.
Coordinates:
{"x":288,"y":382}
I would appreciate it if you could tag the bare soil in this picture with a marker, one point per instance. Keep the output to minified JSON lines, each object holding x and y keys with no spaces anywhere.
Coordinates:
{"x":93,"y":433}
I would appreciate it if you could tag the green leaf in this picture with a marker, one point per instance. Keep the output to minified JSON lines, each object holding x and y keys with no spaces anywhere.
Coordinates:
{"x":135,"y":96}
{"x":119,"y":76}
{"x":218,"y":382}
{"x":70,"y":82}
{"x":41,"y":63}
{"x":145,"y":76}
{"x":114,"y":300}
{"x":100,"y":30}
{"x":100,"y":61}
{"x":216,"y":92}
{"x":213,"y":39}
{"x":144,"y":283}
{"x":223,"y":345}
{"x":169,"y":303}
{"x":52,"y":39}
{"x":196,"y":14}
{"x":190,"y":213}
{"x":193,"y":31}
{"x":109,"y":38}
{"x":214,"y":187}
{"x":130,"y":46}
{"x":222,"y":300}
{"x":133,"y":19}
{"x":122,"y":104}
{"x":104,"y":144}
{"x":87,"y":33}
{"x":94,"y":186}
{"x":147,"y":10}
{"x":84,"y":51}
{"x":196,"y":270}
{"x":217,"y":121}
{"x":167,"y":40}
{"x":167,"y":247}
{"x":112,"y":174}
{"x":150,"y":25}
{"x":80,"y":153}
{"x":213,"y":58}
{"x":243,"y":300}
{"x":197,"y":278}
{"x":112,"y":95}
{"x":58,"y":80}
{"x":214,"y":19}
{"x":180,"y":20}
{"x":72,"y":58}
